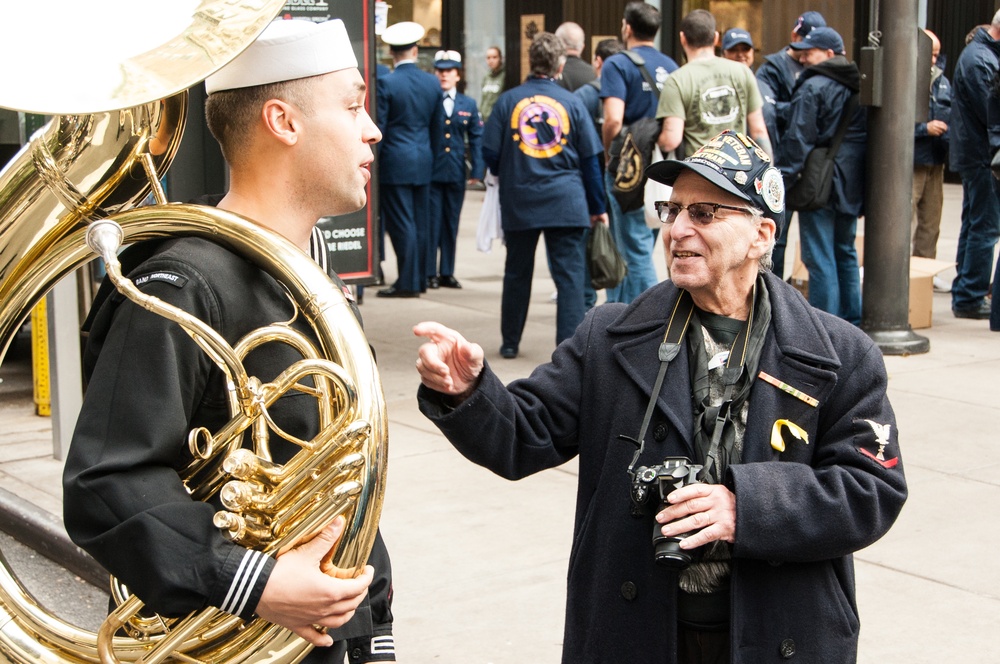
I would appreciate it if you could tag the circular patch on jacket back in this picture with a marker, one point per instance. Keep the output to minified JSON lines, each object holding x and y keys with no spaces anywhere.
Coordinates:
{"x":541,"y":125}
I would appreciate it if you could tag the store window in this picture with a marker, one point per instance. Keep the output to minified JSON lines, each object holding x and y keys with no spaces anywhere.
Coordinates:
{"x":745,"y":14}
{"x":425,"y":12}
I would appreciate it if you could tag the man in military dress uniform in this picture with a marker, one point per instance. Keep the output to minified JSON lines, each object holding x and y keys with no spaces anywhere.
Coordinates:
{"x":409,"y":106}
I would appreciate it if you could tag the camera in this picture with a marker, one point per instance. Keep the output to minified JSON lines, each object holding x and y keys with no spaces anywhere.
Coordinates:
{"x":673,"y":473}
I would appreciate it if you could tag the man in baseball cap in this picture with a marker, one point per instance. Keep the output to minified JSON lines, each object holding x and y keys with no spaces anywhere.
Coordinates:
{"x":737,"y":45}
{"x":409,"y":111}
{"x":824,"y":39}
{"x":722,"y":372}
{"x":289,"y":114}
{"x":806,"y":23}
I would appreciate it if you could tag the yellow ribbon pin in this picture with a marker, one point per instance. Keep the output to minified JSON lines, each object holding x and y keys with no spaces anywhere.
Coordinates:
{"x":778,"y":442}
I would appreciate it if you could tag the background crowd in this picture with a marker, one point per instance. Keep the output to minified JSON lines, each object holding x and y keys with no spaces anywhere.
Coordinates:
{"x":792,"y":102}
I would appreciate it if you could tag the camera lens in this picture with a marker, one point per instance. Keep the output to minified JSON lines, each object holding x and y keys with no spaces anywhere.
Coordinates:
{"x":668,"y":553}
{"x":667,"y":550}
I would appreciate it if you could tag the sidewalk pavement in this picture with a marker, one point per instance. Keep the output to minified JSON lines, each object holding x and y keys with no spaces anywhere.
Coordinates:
{"x":479,"y":563}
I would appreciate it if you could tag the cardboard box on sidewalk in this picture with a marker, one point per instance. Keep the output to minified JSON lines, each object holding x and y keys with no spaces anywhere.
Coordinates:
{"x":922,"y":272}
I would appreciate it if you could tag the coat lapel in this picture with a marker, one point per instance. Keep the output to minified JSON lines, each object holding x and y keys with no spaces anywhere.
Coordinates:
{"x":641,"y":328}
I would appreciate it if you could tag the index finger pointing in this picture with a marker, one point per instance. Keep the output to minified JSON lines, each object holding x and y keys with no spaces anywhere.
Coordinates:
{"x":436,"y":332}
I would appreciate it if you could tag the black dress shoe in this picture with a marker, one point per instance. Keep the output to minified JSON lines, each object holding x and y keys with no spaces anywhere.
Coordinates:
{"x":980,"y":312}
{"x":508,"y":352}
{"x":433,"y":282}
{"x":449,"y":282}
{"x":392,"y":291}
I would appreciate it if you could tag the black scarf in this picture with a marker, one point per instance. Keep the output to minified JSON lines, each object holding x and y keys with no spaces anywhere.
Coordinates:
{"x":717,"y":449}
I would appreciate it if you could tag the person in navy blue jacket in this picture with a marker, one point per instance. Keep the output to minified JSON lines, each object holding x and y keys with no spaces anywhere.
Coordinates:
{"x":827,"y":235}
{"x":541,"y":143}
{"x":409,"y":105}
{"x":970,"y":157}
{"x":460,"y":124}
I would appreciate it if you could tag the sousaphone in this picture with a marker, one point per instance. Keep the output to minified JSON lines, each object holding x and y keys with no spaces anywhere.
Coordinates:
{"x":114,"y":75}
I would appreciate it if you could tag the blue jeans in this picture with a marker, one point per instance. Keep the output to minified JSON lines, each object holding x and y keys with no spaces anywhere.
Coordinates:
{"x":827,"y":239}
{"x":567,"y":264}
{"x":635,"y":243}
{"x":978,"y":236}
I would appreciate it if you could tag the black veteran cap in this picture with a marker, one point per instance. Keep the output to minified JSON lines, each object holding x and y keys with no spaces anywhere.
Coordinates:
{"x":735,"y":163}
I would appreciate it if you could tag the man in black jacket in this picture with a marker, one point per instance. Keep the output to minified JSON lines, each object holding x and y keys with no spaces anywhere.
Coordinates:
{"x":780,"y":410}
{"x":289,"y":115}
{"x":575,"y":71}
{"x":970,"y":156}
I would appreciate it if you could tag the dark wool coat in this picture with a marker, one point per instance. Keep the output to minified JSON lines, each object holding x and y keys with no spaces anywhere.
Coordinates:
{"x":799,"y":514}
{"x":973,"y":82}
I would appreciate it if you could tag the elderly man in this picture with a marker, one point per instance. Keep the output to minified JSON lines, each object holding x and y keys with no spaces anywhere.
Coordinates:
{"x":575,"y":72}
{"x":930,"y":152}
{"x":763,"y":447}
{"x":289,"y":109}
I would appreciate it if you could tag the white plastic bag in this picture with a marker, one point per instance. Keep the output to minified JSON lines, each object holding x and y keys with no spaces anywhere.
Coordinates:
{"x":489,"y":218}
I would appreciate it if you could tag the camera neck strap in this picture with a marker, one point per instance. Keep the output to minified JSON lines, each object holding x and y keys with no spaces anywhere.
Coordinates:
{"x":715,"y":447}
{"x":673,"y":339}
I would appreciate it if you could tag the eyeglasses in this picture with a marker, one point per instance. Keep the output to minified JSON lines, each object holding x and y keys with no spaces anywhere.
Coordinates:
{"x":702,"y":214}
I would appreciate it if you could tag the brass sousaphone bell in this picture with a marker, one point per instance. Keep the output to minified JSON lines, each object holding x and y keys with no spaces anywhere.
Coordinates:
{"x":120,"y":105}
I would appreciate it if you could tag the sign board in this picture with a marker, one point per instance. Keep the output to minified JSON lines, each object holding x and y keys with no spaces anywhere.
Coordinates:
{"x":531,"y":25}
{"x":352,"y":239}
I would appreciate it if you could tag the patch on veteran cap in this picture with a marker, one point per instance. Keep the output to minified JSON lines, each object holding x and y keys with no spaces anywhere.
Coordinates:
{"x":735,"y":163}
{"x":773,"y":190}
{"x":287,"y":50}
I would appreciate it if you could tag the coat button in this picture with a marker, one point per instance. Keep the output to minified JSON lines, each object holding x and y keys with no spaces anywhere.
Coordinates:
{"x":356,"y":655}
{"x":787,"y":649}
{"x":660,"y":433}
{"x":629,"y":591}
{"x":447,"y":122}
{"x":447,"y":149}
{"x":447,"y":135}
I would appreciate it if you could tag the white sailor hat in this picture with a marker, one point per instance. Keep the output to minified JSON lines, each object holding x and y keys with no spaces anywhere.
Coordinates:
{"x":447,"y":60}
{"x":404,"y":35}
{"x":287,"y":50}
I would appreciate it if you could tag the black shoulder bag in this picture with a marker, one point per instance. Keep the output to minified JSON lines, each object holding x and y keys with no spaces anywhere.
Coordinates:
{"x":632,"y":150}
{"x":814,"y":185}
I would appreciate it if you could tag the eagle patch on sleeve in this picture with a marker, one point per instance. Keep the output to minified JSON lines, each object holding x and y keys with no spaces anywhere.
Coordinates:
{"x":880,"y":452}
